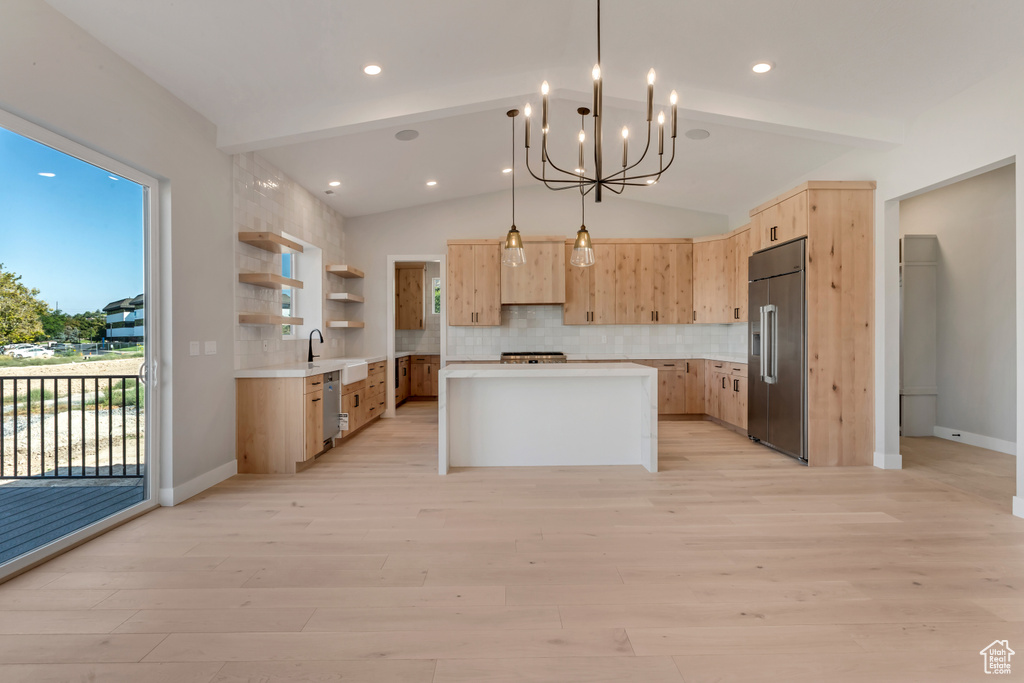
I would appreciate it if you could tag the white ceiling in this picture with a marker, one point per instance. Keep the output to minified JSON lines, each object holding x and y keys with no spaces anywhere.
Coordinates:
{"x":285,"y":79}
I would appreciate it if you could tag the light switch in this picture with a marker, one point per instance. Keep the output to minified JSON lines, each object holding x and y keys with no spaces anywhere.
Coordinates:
{"x":211,"y":348}
{"x":193,"y":348}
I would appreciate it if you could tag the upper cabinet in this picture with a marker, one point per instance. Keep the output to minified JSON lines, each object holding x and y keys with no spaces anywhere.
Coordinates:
{"x":739,"y":247}
{"x":541,"y":280}
{"x":778,"y":222}
{"x":474,"y":282}
{"x":409,"y":301}
{"x":720,"y":278}
{"x":590,"y":292}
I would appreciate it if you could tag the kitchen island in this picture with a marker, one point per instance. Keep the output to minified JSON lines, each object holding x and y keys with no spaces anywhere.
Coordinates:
{"x":555,"y":414}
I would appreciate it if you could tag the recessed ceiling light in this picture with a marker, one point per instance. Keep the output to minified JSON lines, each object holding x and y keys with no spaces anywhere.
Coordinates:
{"x":48,"y":175}
{"x":371,"y":69}
{"x":431,"y":183}
{"x":762,"y":67}
{"x":697,"y":134}
{"x":407,"y":135}
{"x":334,"y":183}
{"x":506,"y":170}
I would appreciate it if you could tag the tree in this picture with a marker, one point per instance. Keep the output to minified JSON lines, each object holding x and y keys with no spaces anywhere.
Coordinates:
{"x":20,"y":311}
{"x":55,"y":325}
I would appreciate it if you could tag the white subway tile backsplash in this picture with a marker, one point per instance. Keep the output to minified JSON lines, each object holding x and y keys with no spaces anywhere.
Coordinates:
{"x":540,"y":328}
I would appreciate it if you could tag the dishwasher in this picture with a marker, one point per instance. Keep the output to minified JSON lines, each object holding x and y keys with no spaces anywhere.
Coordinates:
{"x":332,"y":404}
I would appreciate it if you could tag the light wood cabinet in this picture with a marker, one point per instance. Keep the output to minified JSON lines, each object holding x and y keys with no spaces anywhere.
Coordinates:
{"x":404,"y":388}
{"x":725,"y":395}
{"x":541,"y":280}
{"x":739,"y":252}
{"x":313,"y":419}
{"x":590,"y":292}
{"x":653,"y":283}
{"x":694,"y":388}
{"x":711,"y":281}
{"x":474,"y":283}
{"x":424,"y":375}
{"x":410,"y":279}
{"x":278,"y":423}
{"x":780,"y":222}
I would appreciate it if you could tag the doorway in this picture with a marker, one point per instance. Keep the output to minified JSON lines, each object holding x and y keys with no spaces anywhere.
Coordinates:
{"x":416,"y":329}
{"x":78,"y":331}
{"x":958,"y":327}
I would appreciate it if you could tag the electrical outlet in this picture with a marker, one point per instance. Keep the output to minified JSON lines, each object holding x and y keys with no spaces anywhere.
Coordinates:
{"x":211,"y":348}
{"x":193,"y":348}
{"x":266,"y":345}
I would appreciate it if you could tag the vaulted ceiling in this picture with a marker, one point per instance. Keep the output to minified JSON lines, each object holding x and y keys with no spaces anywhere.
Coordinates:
{"x":285,"y":79}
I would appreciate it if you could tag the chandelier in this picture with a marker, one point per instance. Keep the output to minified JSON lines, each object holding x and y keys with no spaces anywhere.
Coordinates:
{"x":599,"y":178}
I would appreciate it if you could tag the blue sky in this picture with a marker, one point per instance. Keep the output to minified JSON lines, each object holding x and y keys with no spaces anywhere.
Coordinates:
{"x":77,"y":237}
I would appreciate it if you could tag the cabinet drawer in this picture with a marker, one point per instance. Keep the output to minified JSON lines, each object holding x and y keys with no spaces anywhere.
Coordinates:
{"x":379,"y":366}
{"x":314,"y":383}
{"x":420,"y":359}
{"x":353,"y":388}
{"x":737,"y":369}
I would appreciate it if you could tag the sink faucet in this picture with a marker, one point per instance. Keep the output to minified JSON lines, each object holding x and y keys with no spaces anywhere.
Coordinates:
{"x":311,"y":356}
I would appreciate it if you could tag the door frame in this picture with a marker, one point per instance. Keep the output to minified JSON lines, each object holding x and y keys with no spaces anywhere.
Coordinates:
{"x":158,"y":329}
{"x":389,"y":384}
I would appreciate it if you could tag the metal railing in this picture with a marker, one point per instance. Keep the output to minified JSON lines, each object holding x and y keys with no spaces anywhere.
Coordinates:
{"x":72,"y":426}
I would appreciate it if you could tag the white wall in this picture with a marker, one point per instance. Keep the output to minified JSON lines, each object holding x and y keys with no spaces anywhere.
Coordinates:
{"x":54,"y":74}
{"x":426,"y":229}
{"x":975,"y":332}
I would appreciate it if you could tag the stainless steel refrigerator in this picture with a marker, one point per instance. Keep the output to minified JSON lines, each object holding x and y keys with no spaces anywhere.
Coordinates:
{"x":777,"y":352}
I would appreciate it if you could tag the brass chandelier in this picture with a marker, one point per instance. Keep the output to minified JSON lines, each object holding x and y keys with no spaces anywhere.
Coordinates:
{"x":598,"y":179}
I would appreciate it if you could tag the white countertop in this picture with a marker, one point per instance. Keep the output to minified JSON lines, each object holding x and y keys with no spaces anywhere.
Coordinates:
{"x":318,"y":367}
{"x":725,"y":357}
{"x":547,"y":370}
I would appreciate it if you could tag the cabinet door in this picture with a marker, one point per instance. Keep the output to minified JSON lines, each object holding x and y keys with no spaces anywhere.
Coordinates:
{"x":739,"y":402}
{"x":666,"y":284}
{"x":768,"y":223}
{"x":711,"y":281}
{"x":579,"y":293}
{"x":694,"y":387}
{"x":419,"y":384}
{"x":409,"y":285}
{"x":314,"y":423}
{"x":404,"y":380}
{"x":629,"y":300}
{"x":602,"y":285}
{"x":432,"y":380}
{"x":487,"y":284}
{"x":541,"y":280}
{"x":792,"y":217}
{"x":671,"y":388}
{"x":461,"y":299}
{"x":740,"y":249}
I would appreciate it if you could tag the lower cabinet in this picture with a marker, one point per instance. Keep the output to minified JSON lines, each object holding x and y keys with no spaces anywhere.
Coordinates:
{"x":424,"y":375}
{"x":278,"y":423}
{"x":403,"y":387}
{"x":313,"y":421}
{"x":725,"y":393}
{"x":680,"y":386}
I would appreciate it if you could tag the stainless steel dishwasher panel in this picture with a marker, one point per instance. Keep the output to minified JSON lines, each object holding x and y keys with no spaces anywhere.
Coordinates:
{"x":332,"y":403}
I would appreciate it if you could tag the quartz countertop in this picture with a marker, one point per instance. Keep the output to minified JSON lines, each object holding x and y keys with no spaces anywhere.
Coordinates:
{"x":724,"y":357}
{"x":547,"y":370}
{"x":318,"y":367}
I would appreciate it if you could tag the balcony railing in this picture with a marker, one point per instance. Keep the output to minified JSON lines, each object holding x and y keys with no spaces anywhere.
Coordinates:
{"x":77,"y":427}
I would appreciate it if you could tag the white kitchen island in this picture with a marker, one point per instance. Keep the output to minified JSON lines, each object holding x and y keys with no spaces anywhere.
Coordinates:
{"x":557,"y":414}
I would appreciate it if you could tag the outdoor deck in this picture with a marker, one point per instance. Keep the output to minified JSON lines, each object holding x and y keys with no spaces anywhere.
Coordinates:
{"x":32,"y":516}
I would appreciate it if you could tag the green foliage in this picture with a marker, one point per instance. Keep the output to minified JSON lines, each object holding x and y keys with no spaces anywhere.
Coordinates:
{"x":20,"y":311}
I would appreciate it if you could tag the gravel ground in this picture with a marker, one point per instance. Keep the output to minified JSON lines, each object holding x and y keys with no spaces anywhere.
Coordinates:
{"x":122,"y":366}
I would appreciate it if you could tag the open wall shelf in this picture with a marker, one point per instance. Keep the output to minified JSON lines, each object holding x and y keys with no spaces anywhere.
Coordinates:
{"x":345,"y":296}
{"x":267,"y":319}
{"x":344,"y":271}
{"x":345,"y":323}
{"x":269,"y":280}
{"x":268,"y":241}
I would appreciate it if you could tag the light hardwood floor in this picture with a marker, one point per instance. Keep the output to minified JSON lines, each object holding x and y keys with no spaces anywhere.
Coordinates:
{"x":732,"y":564}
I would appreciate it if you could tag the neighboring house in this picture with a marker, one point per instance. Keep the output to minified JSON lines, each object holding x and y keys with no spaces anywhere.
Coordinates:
{"x":126,"y":320}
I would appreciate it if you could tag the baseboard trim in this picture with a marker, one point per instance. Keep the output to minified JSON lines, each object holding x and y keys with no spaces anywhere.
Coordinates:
{"x":888,"y":461}
{"x":979,"y":440}
{"x":179,"y":494}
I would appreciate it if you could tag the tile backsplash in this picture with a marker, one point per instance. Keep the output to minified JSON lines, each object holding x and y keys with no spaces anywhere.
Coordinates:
{"x":427,"y":340}
{"x":266,"y":200}
{"x":540,"y":328}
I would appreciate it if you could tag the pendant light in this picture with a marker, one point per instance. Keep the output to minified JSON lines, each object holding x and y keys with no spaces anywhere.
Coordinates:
{"x":582,"y":250}
{"x":512,"y":255}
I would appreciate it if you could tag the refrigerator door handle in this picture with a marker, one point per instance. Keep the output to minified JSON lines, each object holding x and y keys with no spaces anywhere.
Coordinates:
{"x":764,"y":345}
{"x":772,"y":376}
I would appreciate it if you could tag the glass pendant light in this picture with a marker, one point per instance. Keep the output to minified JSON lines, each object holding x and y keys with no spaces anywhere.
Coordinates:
{"x":583,"y":250}
{"x":513,"y":255}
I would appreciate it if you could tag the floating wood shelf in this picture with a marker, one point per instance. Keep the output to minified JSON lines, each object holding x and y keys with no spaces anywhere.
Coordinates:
{"x":268,"y":241}
{"x":345,"y":296}
{"x":345,"y":323}
{"x":344,"y":271}
{"x":267,"y":319}
{"x":269,"y":280}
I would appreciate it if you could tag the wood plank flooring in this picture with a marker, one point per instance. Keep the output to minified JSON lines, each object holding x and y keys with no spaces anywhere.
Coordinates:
{"x":732,"y":564}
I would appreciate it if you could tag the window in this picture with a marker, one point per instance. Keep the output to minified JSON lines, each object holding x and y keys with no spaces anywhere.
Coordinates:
{"x":289,"y":269}
{"x":435,"y":287}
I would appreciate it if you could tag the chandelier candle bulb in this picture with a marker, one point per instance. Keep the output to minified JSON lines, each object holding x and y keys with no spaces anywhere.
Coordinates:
{"x":673,"y":98}
{"x":625,"y":144}
{"x":650,"y":94}
{"x":597,"y":88}
{"x":583,"y":138}
{"x":527,"y":112}
{"x":544,"y":106}
{"x":661,"y":132}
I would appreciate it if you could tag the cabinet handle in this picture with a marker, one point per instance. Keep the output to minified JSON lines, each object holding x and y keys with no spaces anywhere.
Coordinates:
{"x":315,"y":384}
{"x":357,"y":401}
{"x":736,"y":313}
{"x":687,"y":366}
{"x":315,"y":400}
{"x":774,"y":228}
{"x":735,"y":385}
{"x":695,"y":316}
{"x":723,"y":383}
{"x":403,"y":372}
